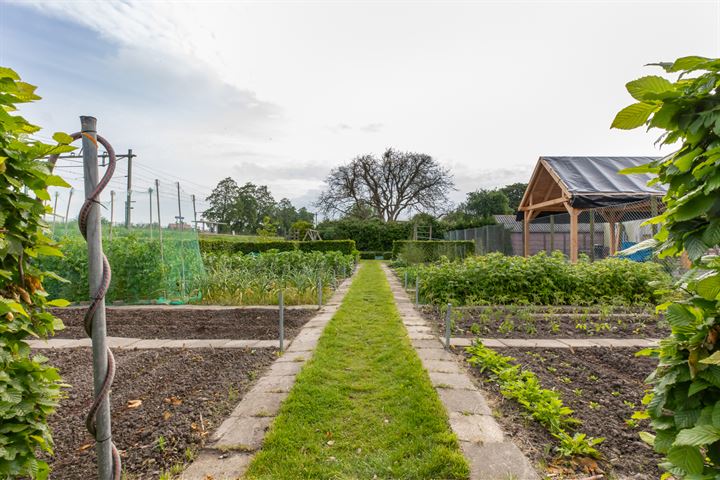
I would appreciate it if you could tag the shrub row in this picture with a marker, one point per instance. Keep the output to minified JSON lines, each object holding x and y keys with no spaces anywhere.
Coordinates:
{"x":540,"y":279}
{"x":423,"y":251}
{"x":346,"y":247}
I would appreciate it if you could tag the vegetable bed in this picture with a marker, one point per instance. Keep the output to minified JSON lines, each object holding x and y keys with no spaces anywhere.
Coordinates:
{"x":549,"y":322}
{"x":604,"y":388}
{"x":164,"y":405}
{"x":189,"y":323}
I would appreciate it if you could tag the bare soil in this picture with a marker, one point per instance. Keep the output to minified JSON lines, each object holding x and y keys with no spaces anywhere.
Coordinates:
{"x":503,"y":323}
{"x":195,"y":323}
{"x":604,"y":387}
{"x":184,"y":395}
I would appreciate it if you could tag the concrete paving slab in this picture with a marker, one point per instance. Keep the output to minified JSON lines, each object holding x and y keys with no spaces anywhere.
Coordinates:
{"x":259,"y":404}
{"x":464,"y":401}
{"x":441,"y":366}
{"x":121,"y":342}
{"x":426,"y":354}
{"x":150,"y":344}
{"x":451,"y":380}
{"x":275,"y":384}
{"x":492,"y":342}
{"x":300,"y":357}
{"x":241,"y":434}
{"x":474,"y":428}
{"x":216,"y":465}
{"x":533,"y":343}
{"x":421,"y":336}
{"x":306,"y":346}
{"x":497,"y":461}
{"x":196,"y":343}
{"x":281,"y":369}
{"x":577,"y":342}
{"x":419,"y":344}
{"x":419,"y":329}
{"x":460,"y":342}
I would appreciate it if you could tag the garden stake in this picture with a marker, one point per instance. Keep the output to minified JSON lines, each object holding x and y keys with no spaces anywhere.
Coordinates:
{"x":320,"y":292}
{"x":417,"y":291}
{"x":281,"y":303}
{"x":98,"y":418}
{"x":447,"y":326}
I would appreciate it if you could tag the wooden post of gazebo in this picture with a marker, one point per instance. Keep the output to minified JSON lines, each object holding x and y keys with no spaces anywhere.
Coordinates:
{"x":527,"y":217}
{"x":574,"y":213}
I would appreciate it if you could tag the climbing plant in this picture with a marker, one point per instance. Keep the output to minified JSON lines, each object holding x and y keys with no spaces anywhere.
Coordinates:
{"x":684,"y":405}
{"x":29,"y":387}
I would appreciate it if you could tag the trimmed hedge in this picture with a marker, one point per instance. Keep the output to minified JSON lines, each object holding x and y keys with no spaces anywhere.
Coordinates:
{"x":373,"y":254}
{"x":346,"y":247}
{"x":423,"y":251}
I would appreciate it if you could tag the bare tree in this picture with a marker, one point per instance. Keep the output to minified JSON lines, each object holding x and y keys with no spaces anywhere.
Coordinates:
{"x":396,"y":183}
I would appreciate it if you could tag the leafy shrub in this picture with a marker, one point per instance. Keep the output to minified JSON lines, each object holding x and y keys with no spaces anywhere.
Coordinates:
{"x":256,"y":279}
{"x":684,"y":406}
{"x":229,"y":246}
{"x":346,"y":247}
{"x":29,"y":387}
{"x":372,"y":255}
{"x":540,"y":279}
{"x":423,"y":251}
{"x":543,"y":405}
{"x":369,"y":235}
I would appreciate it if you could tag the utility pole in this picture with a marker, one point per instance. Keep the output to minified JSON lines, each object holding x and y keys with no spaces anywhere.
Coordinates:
{"x":57,"y":194}
{"x":112,"y":211}
{"x":179,"y":217}
{"x":150,"y":198}
{"x":128,"y":201}
{"x":67,"y":210}
{"x":157,"y":195}
{"x":194,"y":213}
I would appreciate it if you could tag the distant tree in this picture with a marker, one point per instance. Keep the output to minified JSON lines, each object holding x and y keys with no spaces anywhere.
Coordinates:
{"x":305,"y":215}
{"x":267,"y":228}
{"x":224,"y":205}
{"x":393,"y":185}
{"x":301,"y":226}
{"x":486,"y":203}
{"x":361,"y":211}
{"x":286,"y":215}
{"x":514,"y":192}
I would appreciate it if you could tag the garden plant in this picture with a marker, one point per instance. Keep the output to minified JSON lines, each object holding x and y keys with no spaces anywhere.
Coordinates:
{"x":684,"y":405}
{"x":29,"y":387}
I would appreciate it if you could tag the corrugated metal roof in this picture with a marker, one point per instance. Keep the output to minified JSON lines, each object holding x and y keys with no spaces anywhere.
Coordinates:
{"x":599,"y":175}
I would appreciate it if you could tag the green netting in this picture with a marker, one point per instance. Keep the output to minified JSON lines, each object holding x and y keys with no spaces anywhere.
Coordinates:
{"x":148,"y":265}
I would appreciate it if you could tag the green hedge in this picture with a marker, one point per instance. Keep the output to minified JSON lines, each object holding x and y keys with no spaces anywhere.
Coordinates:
{"x":423,"y":251}
{"x":346,"y":247}
{"x":374,"y":254}
{"x":231,"y":246}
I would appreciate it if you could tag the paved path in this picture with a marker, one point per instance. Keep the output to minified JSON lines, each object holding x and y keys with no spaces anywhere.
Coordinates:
{"x":233,"y":444}
{"x":556,"y":342}
{"x":490,"y":455}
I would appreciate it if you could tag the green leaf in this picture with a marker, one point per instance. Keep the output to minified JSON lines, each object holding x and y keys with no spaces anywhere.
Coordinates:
{"x":688,"y":63}
{"x":633,"y":115}
{"x":709,"y":287}
{"x":647,"y":168}
{"x":652,"y":84}
{"x":647,"y":437}
{"x":711,"y":235}
{"x":8,"y":73}
{"x":713,"y":359}
{"x":685,"y":161}
{"x":698,"y":436}
{"x":695,"y":247}
{"x":687,"y":458}
{"x":58,"y":302}
{"x":678,"y":316}
{"x":694,"y":208}
{"x":62,"y":138}
{"x":56,"y":181}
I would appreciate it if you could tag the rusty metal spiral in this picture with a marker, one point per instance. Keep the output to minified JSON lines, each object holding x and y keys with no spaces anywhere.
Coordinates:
{"x":98,"y":297}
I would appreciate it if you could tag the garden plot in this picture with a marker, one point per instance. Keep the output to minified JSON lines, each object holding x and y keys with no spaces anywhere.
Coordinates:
{"x":164,"y":405}
{"x":189,"y":323}
{"x":604,"y":388}
{"x":549,"y":322}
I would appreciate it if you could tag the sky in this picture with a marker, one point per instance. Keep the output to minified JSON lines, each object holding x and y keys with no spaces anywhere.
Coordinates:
{"x":279,"y":93}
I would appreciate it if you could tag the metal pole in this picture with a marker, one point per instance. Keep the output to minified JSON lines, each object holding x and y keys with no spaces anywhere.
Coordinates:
{"x":320,"y":292}
{"x":417,"y":290}
{"x":57,"y":194}
{"x":447,"y":326}
{"x":281,"y":303}
{"x":406,"y":275}
{"x":157,"y":196}
{"x":194,"y":212}
{"x":128,"y":200}
{"x":67,"y":209}
{"x":180,"y":217}
{"x":103,"y":436}
{"x":112,"y":211}
{"x":150,"y":191}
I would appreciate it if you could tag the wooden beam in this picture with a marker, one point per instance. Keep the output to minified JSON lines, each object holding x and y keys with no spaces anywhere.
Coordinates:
{"x":548,"y":203}
{"x":574,"y":213}
{"x":527,"y":215}
{"x":613,"y":245}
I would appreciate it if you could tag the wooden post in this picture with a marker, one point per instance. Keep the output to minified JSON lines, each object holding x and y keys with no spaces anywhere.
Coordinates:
{"x":526,"y":232}
{"x":592,"y":235}
{"x":613,"y":247}
{"x":552,"y":233}
{"x":574,"y":234}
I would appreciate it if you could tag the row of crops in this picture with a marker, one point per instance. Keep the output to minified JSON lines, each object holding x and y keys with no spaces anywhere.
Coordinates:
{"x":147,"y":270}
{"x":541,"y":280}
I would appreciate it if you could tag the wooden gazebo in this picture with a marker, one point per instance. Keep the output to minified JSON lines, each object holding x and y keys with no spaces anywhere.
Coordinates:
{"x":574,"y":185}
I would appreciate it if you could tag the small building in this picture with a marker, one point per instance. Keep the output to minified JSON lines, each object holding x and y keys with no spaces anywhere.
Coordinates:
{"x":590,"y":190}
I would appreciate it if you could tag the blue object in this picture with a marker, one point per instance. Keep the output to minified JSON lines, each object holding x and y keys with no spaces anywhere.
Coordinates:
{"x":639,"y":256}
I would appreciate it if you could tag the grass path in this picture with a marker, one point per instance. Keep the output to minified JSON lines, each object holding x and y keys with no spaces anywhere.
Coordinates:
{"x":363,"y":407}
